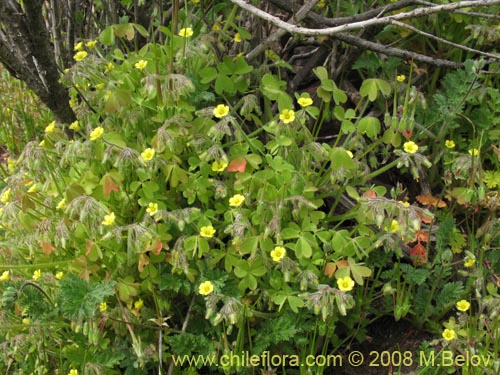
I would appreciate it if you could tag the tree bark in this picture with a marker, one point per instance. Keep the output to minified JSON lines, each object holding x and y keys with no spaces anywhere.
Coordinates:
{"x":27,"y":53}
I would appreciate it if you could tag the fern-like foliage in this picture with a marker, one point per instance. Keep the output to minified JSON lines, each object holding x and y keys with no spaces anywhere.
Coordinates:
{"x":189,"y":344}
{"x":276,"y":331}
{"x":79,"y":298}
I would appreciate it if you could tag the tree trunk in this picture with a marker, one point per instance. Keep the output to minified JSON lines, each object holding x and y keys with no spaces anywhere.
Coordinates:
{"x":27,"y":53}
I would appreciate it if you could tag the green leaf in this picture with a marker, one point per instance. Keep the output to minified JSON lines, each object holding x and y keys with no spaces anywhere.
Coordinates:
{"x":125,"y":30}
{"x":303,"y":248}
{"x":369,"y":126}
{"x":341,"y":159}
{"x":224,"y":84}
{"x":114,"y":139}
{"x":372,"y":86}
{"x":208,"y":74}
{"x":107,"y":36}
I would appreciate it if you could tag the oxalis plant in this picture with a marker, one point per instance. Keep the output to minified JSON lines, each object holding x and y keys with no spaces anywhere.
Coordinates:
{"x":197,"y":211}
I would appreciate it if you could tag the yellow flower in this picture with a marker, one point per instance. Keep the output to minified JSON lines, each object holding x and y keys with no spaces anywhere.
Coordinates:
{"x":321,"y":4}
{"x":219,"y":166}
{"x":207,"y":231}
{"x":96,"y":133}
{"x":345,"y":284}
{"x":109,"y":219}
{"x":73,"y":372}
{"x":74,"y":126}
{"x":206,"y":288}
{"x":141,"y":64}
{"x":463,"y":305}
{"x":216,"y":27}
{"x":148,"y":154}
{"x":42,"y":143}
{"x":138,"y":304}
{"x":33,"y":189}
{"x":59,"y":275}
{"x":186,"y":32}
{"x":103,"y":306}
{"x":152,"y":209}
{"x":237,"y":37}
{"x":410,"y":147}
{"x":405,"y":204}
{"x":449,"y":334}
{"x":109,"y":67}
{"x":26,"y":321}
{"x":401,"y":78}
{"x":91,"y":43}
{"x":474,"y":152}
{"x":221,"y":110}
{"x":351,"y":155}
{"x":78,"y":46}
{"x":50,"y":127}
{"x":5,"y":196}
{"x":278,"y":253}
{"x":236,"y":200}
{"x":79,"y":56}
{"x":287,"y":116}
{"x":449,"y":143}
{"x":304,"y":102}
{"x":37,"y":274}
{"x":394,"y":226}
{"x":469,"y":262}
{"x":61,"y":204}
{"x":5,"y":276}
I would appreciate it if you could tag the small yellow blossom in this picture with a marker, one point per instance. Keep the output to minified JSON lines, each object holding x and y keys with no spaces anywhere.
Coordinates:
{"x":237,"y":38}
{"x":449,"y":334}
{"x":75,"y":126}
{"x":141,"y":64}
{"x":4,"y":198}
{"x":219,"y":166}
{"x":469,"y":262}
{"x":61,"y":204}
{"x":96,"y":133}
{"x":287,"y":116}
{"x":91,"y":43}
{"x":207,"y":231}
{"x":186,"y":32}
{"x":152,"y":208}
{"x":206,"y":288}
{"x":401,"y":78}
{"x":221,"y":111}
{"x":345,"y":284}
{"x":351,"y":155}
{"x":5,"y":276}
{"x":103,"y":306}
{"x":42,"y":143}
{"x":59,"y":275}
{"x":216,"y":27}
{"x":138,"y":304}
{"x":50,"y":127}
{"x":148,"y":154}
{"x":37,"y":274}
{"x":73,"y":372}
{"x":304,"y":102}
{"x":410,"y":147}
{"x":26,"y":321}
{"x":405,"y":204}
{"x":109,"y":67}
{"x":449,"y":143}
{"x":109,"y":219}
{"x":474,"y":152}
{"x":79,"y":56}
{"x":394,"y":226}
{"x":78,"y":46}
{"x":463,"y":305}
{"x":236,"y":200}
{"x":278,"y":253}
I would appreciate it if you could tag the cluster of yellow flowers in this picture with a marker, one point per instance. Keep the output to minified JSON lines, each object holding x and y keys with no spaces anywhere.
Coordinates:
{"x":80,"y":53}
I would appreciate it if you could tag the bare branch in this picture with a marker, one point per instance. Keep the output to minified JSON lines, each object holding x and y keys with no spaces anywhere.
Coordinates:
{"x":444,"y":41}
{"x":419,"y":12}
{"x":391,"y":51}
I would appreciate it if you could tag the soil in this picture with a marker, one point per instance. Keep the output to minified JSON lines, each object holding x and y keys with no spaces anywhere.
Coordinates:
{"x":388,"y":337}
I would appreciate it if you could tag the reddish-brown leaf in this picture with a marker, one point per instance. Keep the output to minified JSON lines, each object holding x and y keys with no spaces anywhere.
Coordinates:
{"x":88,"y":247}
{"x":109,"y":185}
{"x":423,"y":217}
{"x":157,"y":246}
{"x":143,"y":261}
{"x":418,"y":254}
{"x":422,"y":236}
{"x":407,"y":133}
{"x":47,"y":248}
{"x":237,"y":165}
{"x":430,"y":200}
{"x":370,"y":193}
{"x":330,"y":269}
